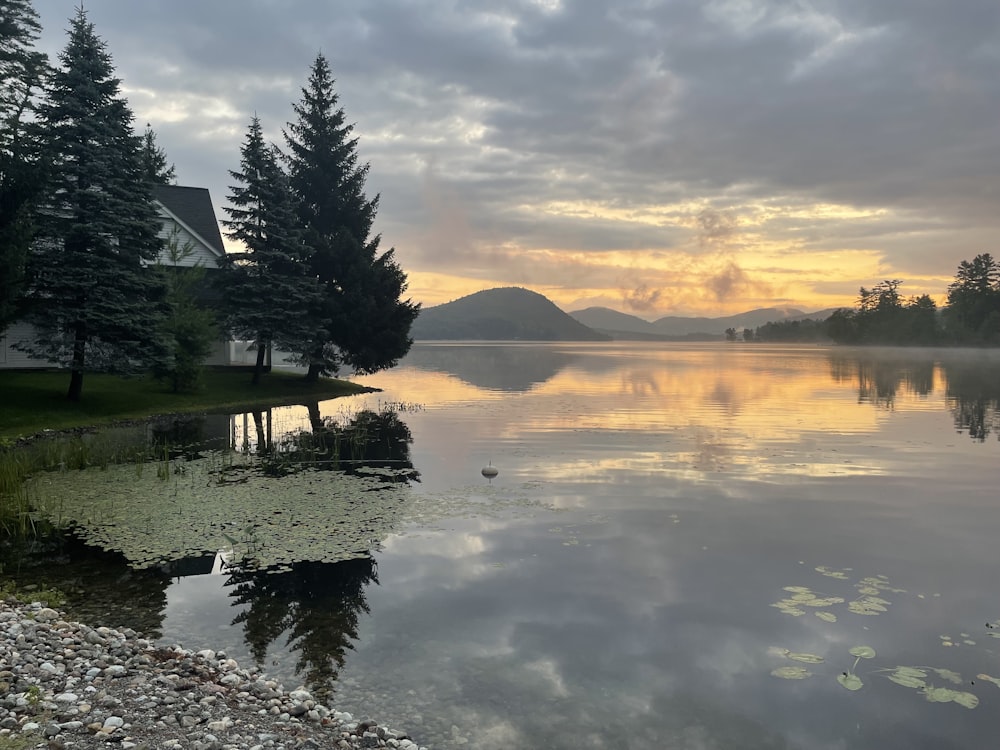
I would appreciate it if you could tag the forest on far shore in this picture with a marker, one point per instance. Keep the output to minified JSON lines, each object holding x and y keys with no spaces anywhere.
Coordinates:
{"x":882,"y":316}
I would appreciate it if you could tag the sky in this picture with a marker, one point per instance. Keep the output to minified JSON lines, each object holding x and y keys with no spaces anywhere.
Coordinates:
{"x":683,"y":157}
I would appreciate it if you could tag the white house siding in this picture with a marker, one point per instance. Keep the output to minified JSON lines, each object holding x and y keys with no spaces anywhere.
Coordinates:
{"x":223,"y":352}
{"x":11,"y":358}
{"x":200,"y":255}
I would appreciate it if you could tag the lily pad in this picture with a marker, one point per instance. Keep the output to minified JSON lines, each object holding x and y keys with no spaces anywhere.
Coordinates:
{"x":787,"y":607}
{"x":832,"y":573}
{"x":947,"y":674}
{"x":862,"y":607}
{"x":850,"y":681}
{"x":807,"y":658}
{"x":791,"y":673}
{"x":863,"y":652}
{"x":826,"y":616}
{"x":910,"y":677}
{"x":947,"y":695}
{"x":966,"y":699}
{"x":994,"y":680}
{"x":826,"y":602}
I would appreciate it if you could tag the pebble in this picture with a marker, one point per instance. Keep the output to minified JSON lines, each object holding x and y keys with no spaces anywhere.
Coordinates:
{"x":70,"y":685}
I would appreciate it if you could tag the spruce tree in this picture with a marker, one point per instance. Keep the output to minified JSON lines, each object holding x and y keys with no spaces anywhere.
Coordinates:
{"x":190,"y":329}
{"x":154,"y":160}
{"x":21,"y":71}
{"x":361,"y":321}
{"x":269,"y":293}
{"x":94,"y":303}
{"x":21,"y":68}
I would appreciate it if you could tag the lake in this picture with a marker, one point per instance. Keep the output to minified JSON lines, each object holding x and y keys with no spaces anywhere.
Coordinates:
{"x":686,"y":546}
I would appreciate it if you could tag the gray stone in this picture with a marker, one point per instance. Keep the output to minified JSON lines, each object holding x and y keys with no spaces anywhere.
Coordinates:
{"x":141,"y":696}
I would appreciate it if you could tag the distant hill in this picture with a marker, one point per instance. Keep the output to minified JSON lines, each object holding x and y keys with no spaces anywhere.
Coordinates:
{"x":623,"y":326}
{"x":606,"y":319}
{"x":504,"y":314}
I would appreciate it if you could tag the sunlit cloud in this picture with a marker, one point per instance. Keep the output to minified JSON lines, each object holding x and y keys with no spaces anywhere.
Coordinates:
{"x":656,"y":158}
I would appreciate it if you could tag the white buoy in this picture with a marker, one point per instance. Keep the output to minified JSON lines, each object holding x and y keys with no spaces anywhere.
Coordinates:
{"x":490,"y":471}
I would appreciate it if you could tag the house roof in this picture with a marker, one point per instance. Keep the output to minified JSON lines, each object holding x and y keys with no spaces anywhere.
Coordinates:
{"x":192,"y":207}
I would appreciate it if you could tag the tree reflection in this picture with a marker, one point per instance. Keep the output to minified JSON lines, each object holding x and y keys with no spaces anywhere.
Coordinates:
{"x":879,"y":378}
{"x":972,"y":392}
{"x":378,"y":442}
{"x":317,"y":604}
{"x":369,"y":440}
{"x":974,"y":398}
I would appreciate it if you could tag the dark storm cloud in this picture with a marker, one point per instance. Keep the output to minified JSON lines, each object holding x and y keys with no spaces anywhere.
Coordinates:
{"x":873,"y":105}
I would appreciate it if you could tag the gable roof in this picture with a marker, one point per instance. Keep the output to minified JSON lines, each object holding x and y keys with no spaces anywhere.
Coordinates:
{"x":191,"y":207}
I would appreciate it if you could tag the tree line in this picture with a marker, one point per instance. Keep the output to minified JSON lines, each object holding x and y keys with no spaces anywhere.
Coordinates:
{"x":80,"y":243}
{"x":971,"y":316}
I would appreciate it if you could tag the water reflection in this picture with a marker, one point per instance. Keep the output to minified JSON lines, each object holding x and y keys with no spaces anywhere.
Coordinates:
{"x":368,"y":441}
{"x":881,"y":374}
{"x":971,"y":381}
{"x":316,"y":606}
{"x":188,"y":435}
{"x":100,"y":587}
{"x":502,"y":368}
{"x":974,"y":394}
{"x":613,"y":586}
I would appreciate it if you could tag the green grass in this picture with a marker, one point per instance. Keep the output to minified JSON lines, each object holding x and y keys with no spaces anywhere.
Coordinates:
{"x":31,"y":402}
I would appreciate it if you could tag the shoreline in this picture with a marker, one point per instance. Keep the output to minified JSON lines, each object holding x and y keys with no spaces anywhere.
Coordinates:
{"x":69,"y":685}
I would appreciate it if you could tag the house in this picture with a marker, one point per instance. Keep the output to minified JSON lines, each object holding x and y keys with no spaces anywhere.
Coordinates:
{"x":189,"y":219}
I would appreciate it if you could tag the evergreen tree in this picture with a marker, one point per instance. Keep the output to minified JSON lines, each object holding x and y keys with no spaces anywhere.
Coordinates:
{"x":268,"y":290}
{"x":974,"y":300}
{"x":21,"y":72}
{"x":879,"y":314}
{"x":361,"y":320}
{"x":920,"y":322}
{"x":154,"y":160}
{"x":94,"y":304}
{"x":190,"y":328}
{"x":21,"y":69}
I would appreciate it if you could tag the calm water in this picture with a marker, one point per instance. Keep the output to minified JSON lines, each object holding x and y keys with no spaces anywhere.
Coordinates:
{"x":614,"y":585}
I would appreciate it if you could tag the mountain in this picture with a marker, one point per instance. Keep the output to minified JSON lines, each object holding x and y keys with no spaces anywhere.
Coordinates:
{"x":606,"y":319}
{"x":677,"y":326}
{"x":623,"y":326}
{"x":504,"y":314}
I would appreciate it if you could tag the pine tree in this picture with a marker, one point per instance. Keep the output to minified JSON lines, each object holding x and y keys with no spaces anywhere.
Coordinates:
{"x":21,"y":72}
{"x":21,"y":68}
{"x":362,"y":321}
{"x":154,"y":160}
{"x":94,"y":303}
{"x":268,"y":290}
{"x":974,"y":300}
{"x":190,"y":329}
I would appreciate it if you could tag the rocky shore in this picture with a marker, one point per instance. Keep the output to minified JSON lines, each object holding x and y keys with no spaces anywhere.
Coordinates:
{"x":67,"y":685}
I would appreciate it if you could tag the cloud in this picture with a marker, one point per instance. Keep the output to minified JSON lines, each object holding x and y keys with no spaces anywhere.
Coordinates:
{"x":716,"y":226}
{"x":732,"y":281}
{"x":680,"y":126}
{"x":641,"y":298}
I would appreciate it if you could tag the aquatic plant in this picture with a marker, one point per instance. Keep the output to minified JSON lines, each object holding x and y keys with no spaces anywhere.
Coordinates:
{"x":869,"y":602}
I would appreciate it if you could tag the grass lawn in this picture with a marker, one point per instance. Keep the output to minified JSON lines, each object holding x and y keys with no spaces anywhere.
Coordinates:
{"x":34,"y":401}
